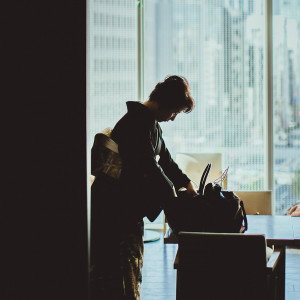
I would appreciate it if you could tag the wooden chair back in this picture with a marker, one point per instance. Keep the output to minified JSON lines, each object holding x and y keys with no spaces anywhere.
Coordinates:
{"x":221,"y":266}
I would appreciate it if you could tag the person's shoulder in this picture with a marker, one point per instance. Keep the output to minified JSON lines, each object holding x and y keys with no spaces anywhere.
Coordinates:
{"x":130,"y":125}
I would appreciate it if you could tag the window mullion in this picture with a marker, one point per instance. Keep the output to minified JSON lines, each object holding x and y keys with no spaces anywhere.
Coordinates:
{"x":140,"y":49}
{"x":268,"y":99}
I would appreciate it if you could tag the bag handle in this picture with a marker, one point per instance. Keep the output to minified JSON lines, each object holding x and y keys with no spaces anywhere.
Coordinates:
{"x":245,"y":216}
{"x":203,"y":179}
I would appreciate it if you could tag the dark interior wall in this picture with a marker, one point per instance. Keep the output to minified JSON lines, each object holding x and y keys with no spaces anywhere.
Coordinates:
{"x":43,"y":215}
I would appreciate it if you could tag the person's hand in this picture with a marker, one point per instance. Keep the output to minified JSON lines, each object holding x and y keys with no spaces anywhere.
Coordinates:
{"x":191,"y":189}
{"x":294,"y":211}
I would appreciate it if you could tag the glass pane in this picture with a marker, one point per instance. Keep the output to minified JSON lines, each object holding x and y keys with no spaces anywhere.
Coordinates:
{"x":112,"y":62}
{"x":219,"y":47}
{"x":286,"y":102}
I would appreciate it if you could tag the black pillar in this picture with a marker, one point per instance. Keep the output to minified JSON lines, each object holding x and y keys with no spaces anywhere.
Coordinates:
{"x":44,"y":203}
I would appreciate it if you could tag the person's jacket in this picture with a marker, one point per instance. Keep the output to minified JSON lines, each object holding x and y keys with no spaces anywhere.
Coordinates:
{"x":148,"y":170}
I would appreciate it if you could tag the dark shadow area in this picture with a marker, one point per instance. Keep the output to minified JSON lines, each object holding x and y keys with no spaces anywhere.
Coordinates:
{"x":43,"y":215}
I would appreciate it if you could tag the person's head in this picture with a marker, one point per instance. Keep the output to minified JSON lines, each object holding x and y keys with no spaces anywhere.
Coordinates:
{"x":172,"y":96}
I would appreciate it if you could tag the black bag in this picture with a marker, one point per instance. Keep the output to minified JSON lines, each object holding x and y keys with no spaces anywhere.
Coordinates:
{"x":212,"y":210}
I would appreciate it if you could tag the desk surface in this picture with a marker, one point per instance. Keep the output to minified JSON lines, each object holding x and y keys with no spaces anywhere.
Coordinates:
{"x":279,"y":230}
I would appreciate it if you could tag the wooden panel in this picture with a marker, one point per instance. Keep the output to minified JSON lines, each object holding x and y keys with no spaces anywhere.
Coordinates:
{"x":256,"y":202}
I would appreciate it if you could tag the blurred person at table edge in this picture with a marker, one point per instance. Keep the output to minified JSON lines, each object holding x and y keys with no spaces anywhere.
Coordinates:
{"x":294,"y":210}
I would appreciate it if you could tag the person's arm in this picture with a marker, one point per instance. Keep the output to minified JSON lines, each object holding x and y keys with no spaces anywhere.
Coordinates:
{"x":173,"y":171}
{"x":137,"y":153}
{"x":294,"y":211}
{"x":191,"y":189}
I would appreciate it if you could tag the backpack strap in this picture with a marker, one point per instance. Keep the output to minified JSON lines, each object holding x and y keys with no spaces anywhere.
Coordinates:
{"x":244,"y":216}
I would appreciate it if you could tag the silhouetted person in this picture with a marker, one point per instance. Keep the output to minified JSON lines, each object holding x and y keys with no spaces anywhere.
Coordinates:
{"x":149,"y":176}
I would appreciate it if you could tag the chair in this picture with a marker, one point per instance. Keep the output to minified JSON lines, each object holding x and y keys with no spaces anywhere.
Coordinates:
{"x":218,"y":266}
{"x":256,"y":202}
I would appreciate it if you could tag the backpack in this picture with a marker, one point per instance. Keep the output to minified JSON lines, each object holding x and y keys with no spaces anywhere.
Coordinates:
{"x":212,"y":210}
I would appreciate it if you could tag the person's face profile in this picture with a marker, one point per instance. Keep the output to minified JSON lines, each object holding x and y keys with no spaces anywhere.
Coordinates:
{"x":166,"y":115}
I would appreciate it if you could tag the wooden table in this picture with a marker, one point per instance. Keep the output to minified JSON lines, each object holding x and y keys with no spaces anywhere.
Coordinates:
{"x":279,"y":230}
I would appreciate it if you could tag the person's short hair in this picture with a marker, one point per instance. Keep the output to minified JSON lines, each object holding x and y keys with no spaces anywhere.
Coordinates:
{"x":173,"y":93}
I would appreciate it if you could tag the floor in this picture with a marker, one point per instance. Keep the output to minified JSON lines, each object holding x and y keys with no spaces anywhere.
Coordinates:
{"x":292,"y":273}
{"x":159,"y":277}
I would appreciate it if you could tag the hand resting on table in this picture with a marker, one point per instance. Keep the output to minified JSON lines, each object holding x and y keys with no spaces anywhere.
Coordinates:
{"x":294,"y":211}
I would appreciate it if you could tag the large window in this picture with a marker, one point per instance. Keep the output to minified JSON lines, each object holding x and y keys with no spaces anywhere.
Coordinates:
{"x":220,"y":47}
{"x":286,"y":102}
